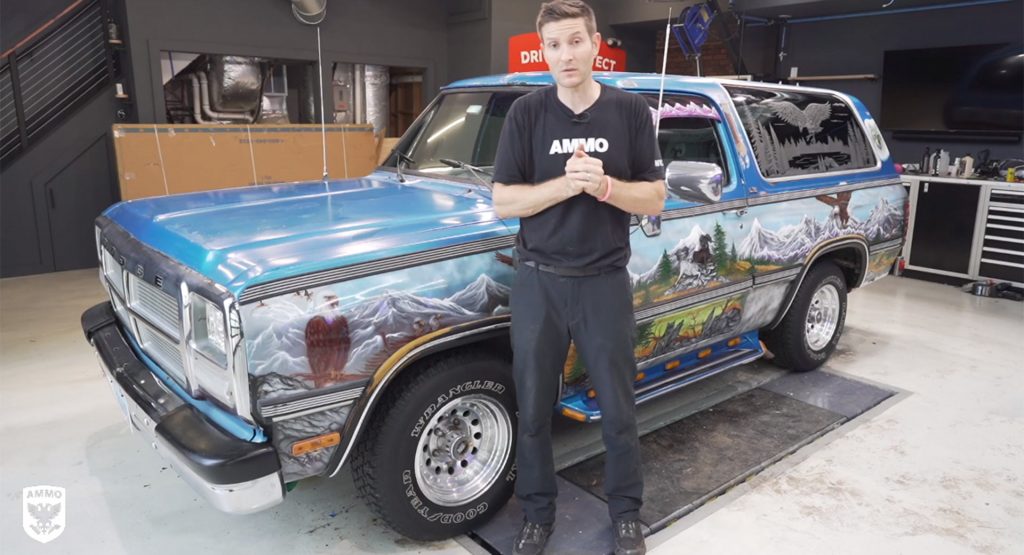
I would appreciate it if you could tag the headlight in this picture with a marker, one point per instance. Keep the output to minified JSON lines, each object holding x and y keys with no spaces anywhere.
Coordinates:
{"x":208,"y":330}
{"x":99,"y":253}
{"x":112,"y":269}
{"x":209,"y":356}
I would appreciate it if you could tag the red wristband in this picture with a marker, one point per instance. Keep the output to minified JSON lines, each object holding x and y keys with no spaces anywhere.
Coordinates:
{"x":608,"y":192}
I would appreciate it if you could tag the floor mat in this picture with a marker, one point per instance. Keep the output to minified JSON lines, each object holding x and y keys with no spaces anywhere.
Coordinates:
{"x":695,"y":459}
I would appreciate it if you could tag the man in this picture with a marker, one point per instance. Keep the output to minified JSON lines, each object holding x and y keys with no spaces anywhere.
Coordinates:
{"x":574,"y":161}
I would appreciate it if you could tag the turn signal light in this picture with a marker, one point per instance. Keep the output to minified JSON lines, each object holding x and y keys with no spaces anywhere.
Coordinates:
{"x":591,"y":394}
{"x":734,"y":341}
{"x":704,"y":353}
{"x":640,"y":376}
{"x":574,"y":414}
{"x":315,"y":443}
{"x":672,"y":365}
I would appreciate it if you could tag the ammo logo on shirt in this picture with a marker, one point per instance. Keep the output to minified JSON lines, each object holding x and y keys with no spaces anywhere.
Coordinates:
{"x":567,"y":146}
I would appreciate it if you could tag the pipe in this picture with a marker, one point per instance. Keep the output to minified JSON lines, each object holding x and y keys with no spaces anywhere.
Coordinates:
{"x":377,"y":95}
{"x":204,"y":92}
{"x":310,"y":12}
{"x":359,"y":94}
{"x":196,"y":108}
{"x":913,"y":9}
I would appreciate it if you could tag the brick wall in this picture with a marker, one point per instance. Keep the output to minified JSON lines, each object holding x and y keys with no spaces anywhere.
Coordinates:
{"x":714,"y":59}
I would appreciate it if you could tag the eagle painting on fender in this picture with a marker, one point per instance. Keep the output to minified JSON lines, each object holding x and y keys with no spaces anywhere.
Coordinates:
{"x":342,"y":332}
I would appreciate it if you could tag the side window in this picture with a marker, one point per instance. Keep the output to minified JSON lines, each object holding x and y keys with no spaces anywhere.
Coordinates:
{"x":797,"y":133}
{"x":687,"y":131}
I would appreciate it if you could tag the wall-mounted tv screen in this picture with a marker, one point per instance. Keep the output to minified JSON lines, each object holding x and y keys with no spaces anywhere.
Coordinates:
{"x":974,"y":88}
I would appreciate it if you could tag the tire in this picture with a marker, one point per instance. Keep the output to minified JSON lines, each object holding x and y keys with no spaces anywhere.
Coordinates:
{"x":415,"y":443}
{"x":799,"y":344}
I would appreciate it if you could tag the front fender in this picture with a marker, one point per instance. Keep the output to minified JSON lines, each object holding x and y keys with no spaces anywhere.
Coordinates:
{"x":427,"y":345}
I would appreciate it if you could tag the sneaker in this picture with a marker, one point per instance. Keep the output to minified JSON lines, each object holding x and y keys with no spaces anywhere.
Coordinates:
{"x":629,"y":538}
{"x":532,"y":538}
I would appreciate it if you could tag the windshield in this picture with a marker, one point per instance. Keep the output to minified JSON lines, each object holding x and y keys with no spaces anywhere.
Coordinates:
{"x":460,"y":126}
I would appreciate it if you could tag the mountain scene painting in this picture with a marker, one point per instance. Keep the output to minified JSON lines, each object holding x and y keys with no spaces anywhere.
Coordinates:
{"x":328,"y":335}
{"x":343,"y":332}
{"x":717,"y":249}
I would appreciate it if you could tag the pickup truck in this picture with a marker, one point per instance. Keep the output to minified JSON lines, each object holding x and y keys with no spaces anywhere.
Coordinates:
{"x":262,"y":335}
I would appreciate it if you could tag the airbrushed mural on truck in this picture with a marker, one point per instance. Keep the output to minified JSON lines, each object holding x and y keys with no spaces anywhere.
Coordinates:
{"x":320,"y":337}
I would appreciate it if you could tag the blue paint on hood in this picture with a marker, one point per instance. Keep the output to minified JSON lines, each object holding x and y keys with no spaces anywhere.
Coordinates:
{"x":244,"y":236}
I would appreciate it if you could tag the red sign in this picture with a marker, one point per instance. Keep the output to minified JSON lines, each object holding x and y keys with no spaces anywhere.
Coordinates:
{"x":525,"y":54}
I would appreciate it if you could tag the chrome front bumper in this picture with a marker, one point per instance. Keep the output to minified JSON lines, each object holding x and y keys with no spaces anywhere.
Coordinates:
{"x":233,"y":475}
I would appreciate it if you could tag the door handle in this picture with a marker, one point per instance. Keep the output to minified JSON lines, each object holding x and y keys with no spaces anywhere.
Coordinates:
{"x":740,"y":212}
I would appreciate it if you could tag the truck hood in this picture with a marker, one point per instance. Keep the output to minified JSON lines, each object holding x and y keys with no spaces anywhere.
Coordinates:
{"x":245,"y":236}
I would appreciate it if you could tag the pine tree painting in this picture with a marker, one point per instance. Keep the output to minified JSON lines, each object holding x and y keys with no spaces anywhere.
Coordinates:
{"x":720,"y":253}
{"x":665,"y":268}
{"x":644,"y":334}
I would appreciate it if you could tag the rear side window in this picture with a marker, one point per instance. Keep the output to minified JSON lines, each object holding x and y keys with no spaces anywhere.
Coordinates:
{"x":795,"y":133}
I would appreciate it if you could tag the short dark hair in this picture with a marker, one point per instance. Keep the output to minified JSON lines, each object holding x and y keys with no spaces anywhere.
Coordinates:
{"x":558,"y":10}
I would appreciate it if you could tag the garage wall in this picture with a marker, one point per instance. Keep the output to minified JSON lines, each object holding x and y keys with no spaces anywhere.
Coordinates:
{"x":409,"y":33}
{"x":52,"y":193}
{"x":18,"y":19}
{"x":469,"y":49}
{"x":857,"y":45}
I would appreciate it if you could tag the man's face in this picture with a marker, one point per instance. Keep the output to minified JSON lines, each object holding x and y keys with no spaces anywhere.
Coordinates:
{"x":569,"y":51}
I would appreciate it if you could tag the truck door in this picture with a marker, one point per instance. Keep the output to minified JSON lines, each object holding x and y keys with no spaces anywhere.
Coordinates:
{"x":689,"y":284}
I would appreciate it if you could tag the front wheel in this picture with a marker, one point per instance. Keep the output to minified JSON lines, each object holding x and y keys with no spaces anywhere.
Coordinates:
{"x":809,"y":332}
{"x":437,"y":458}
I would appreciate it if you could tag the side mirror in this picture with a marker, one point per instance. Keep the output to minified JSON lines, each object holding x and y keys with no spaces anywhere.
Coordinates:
{"x":694,"y":181}
{"x":650,"y":225}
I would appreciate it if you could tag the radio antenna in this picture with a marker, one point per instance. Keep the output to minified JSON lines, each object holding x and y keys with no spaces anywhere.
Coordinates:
{"x":664,"y":67}
{"x":323,"y":115}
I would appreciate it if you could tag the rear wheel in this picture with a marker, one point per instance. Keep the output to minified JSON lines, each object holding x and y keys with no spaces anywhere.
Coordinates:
{"x":809,"y":332}
{"x":436,"y":460}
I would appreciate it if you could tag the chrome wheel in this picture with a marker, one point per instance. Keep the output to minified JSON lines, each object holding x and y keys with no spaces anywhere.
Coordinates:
{"x":822,"y":317}
{"x":463,"y":450}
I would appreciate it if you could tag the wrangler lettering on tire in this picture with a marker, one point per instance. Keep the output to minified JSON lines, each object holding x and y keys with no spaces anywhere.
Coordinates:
{"x":437,"y":458}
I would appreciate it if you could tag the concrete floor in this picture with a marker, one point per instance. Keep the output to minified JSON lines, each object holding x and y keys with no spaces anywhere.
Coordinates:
{"x":938,"y":469}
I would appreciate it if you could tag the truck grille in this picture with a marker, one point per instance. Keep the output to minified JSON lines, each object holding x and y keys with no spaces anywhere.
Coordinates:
{"x":153,"y":316}
{"x":164,"y":351}
{"x":155,"y":305}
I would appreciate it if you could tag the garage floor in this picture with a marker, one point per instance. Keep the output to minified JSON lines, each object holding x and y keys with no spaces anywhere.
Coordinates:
{"x":934,"y":469}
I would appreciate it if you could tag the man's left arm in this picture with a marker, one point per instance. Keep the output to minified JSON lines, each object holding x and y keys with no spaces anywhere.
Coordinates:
{"x":645,"y":192}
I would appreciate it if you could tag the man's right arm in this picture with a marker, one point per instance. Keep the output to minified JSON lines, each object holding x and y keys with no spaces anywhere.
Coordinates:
{"x":518,"y":201}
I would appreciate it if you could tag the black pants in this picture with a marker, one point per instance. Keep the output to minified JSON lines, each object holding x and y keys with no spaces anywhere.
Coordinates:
{"x":595,"y":312}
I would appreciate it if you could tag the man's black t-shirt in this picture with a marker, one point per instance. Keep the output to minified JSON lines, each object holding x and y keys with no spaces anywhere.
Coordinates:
{"x":539,"y":135}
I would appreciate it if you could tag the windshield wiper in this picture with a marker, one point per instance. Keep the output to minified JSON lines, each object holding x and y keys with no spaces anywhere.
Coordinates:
{"x":402,"y":159}
{"x":475,"y":170}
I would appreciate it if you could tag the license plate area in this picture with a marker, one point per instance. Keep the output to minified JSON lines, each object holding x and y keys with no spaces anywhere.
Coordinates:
{"x":119,"y":397}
